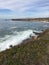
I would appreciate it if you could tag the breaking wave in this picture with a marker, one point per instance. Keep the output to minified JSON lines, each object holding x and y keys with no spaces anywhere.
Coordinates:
{"x":15,"y":39}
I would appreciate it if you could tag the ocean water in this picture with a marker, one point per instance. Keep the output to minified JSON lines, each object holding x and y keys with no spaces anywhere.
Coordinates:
{"x":14,"y":32}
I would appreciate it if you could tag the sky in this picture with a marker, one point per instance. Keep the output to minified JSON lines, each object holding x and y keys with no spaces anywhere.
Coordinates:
{"x":24,"y":8}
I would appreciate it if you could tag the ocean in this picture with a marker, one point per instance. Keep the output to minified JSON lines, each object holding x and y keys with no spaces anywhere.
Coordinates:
{"x":14,"y":32}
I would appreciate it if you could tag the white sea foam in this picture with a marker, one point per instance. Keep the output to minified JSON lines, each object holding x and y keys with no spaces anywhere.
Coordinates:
{"x":45,"y":21}
{"x":13,"y":27}
{"x":37,"y":31}
{"x":15,"y":39}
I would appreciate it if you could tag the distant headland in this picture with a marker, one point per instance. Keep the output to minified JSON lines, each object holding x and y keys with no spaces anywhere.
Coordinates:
{"x":31,"y":19}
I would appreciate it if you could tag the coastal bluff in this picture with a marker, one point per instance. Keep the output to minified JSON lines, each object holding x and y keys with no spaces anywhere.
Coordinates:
{"x":29,"y":52}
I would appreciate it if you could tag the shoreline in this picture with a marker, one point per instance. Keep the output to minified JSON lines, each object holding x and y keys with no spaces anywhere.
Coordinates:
{"x":31,"y":38}
{"x":18,"y":39}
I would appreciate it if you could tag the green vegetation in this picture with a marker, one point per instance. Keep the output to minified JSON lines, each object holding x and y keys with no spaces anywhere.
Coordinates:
{"x":30,"y":52}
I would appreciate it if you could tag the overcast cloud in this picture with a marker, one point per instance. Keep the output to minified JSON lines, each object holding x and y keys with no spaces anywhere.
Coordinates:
{"x":24,"y":8}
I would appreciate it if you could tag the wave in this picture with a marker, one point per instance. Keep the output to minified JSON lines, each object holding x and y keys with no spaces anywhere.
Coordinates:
{"x":15,"y":39}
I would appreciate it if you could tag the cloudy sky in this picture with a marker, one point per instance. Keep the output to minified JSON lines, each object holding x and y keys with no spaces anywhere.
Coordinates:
{"x":24,"y":8}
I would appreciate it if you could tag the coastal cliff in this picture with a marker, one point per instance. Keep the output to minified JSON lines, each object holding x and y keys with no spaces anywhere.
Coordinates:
{"x":30,"y":52}
{"x":31,"y":19}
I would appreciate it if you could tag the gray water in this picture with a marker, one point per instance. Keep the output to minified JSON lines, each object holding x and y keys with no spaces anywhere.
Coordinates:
{"x":12,"y":32}
{"x":8,"y":27}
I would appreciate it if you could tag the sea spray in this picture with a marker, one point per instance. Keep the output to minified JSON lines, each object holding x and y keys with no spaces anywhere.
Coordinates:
{"x":15,"y":39}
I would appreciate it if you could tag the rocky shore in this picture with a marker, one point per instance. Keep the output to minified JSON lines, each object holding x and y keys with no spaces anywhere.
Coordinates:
{"x":33,"y":51}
